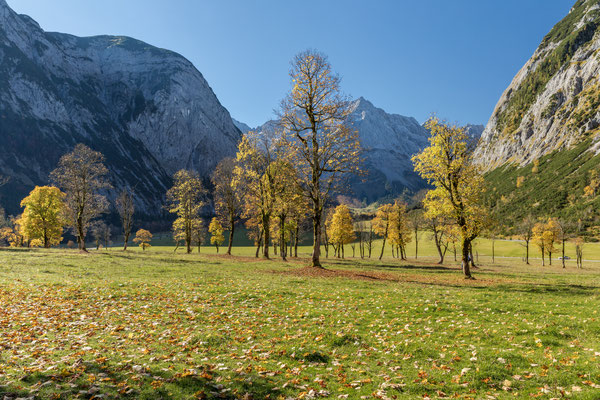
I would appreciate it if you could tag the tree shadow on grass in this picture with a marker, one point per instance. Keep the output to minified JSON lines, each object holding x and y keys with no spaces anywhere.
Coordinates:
{"x":418,"y":267}
{"x":546,"y":288}
{"x":90,"y":379}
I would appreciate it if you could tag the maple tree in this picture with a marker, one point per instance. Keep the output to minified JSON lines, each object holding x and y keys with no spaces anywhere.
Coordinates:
{"x":447,"y":164}
{"x":399,"y":232}
{"x":126,"y":208}
{"x":186,"y":199}
{"x":227,"y":196}
{"x":216,"y":233}
{"x":381,"y":223}
{"x":81,"y":174}
{"x":526,"y":234}
{"x":340,"y":229}
{"x":43,"y":216}
{"x":143,"y":237}
{"x":255,"y":178}
{"x":289,"y":205}
{"x":322,"y":145}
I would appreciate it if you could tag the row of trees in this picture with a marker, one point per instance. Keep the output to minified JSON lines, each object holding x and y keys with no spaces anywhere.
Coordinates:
{"x":279,"y":178}
{"x":76,"y":201}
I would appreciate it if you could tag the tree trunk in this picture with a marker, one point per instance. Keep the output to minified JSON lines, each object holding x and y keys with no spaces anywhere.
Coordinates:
{"x":439,"y":248}
{"x":471,"y":254}
{"x":282,"y":237}
{"x":383,"y":245}
{"x":465,"y":258}
{"x":126,"y":238}
{"x":188,"y":237}
{"x":440,"y":253}
{"x":231,"y":229}
{"x":493,"y":251}
{"x":316,"y":254}
{"x":527,"y":252}
{"x":296,"y":239}
{"x":266,"y":236}
{"x":416,"y":244}
{"x":81,"y":237}
{"x":563,"y":253}
{"x":543,"y":255}
{"x":259,"y":241}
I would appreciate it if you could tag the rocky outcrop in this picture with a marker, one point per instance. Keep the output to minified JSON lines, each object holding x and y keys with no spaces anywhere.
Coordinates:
{"x":553,"y":102}
{"x":148,"y":110}
{"x":388,"y":142}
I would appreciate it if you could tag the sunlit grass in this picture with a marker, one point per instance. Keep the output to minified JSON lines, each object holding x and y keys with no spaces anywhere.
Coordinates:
{"x":162,"y":324}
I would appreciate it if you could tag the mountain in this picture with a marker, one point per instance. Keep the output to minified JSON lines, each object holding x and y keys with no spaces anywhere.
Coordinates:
{"x":148,"y":110}
{"x":475,"y":131}
{"x":552,"y":103}
{"x":541,"y":147}
{"x":241,"y":126}
{"x":388,"y":142}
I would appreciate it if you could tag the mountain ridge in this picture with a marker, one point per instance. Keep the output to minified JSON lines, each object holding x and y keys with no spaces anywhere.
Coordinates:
{"x":148,"y":110}
{"x":551,"y":104}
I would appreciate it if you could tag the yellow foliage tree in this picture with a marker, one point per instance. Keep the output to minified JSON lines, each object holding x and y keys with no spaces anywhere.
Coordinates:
{"x":42,"y":219}
{"x":381,"y":223}
{"x":591,"y":189}
{"x":289,"y":204}
{"x":322,"y":145}
{"x":228,"y":203}
{"x":545,"y":236}
{"x":143,"y":238}
{"x":255,"y":178}
{"x":447,"y":164}
{"x":340,"y":229}
{"x":216,"y":231}
{"x":186,"y":199}
{"x":400,"y":230}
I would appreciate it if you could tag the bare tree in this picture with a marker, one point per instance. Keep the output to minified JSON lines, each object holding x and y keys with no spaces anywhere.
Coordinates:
{"x":565,"y":230}
{"x":98,"y":230}
{"x":526,"y":233}
{"x":126,"y":209}
{"x":81,"y":174}
{"x":322,"y":145}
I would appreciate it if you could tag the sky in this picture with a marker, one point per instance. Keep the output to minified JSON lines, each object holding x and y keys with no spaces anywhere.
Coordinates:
{"x":453,"y":58}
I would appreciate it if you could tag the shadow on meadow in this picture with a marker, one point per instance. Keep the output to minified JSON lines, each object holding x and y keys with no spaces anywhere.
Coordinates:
{"x":558,"y":288}
{"x":90,"y":379}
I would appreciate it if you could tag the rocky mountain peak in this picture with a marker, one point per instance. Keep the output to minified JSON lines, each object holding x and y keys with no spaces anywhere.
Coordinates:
{"x":149,"y":110}
{"x":553,"y":102}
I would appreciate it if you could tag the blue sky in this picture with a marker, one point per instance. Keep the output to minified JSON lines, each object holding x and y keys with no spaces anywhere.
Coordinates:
{"x":411,"y":57}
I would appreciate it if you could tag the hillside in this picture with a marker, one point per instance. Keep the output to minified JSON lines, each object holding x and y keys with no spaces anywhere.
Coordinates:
{"x":552,"y":103}
{"x":148,"y":110}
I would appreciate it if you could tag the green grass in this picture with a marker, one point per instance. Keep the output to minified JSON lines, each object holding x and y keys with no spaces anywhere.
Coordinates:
{"x":158,"y":324}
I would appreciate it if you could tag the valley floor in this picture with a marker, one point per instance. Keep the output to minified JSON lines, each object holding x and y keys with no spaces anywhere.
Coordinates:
{"x":159,"y":324}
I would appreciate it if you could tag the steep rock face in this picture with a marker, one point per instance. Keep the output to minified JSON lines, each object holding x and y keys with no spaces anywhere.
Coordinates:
{"x":388,"y":142}
{"x":148,"y":110}
{"x":552,"y":103}
{"x":241,"y":126}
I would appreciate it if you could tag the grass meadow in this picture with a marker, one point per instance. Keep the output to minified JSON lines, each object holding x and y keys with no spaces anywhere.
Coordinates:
{"x":157,"y":324}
